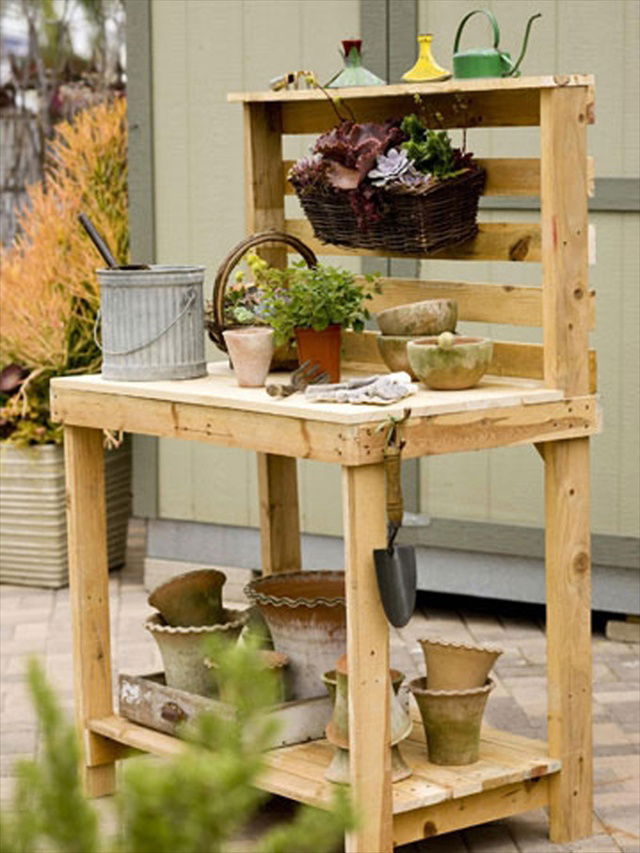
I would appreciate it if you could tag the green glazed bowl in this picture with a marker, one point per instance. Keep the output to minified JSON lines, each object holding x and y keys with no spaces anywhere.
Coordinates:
{"x":449,"y":363}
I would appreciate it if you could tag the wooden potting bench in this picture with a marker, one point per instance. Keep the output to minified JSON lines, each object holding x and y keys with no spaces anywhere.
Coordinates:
{"x":537,"y":394}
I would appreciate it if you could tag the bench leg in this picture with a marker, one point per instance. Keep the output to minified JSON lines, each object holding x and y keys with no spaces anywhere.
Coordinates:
{"x":568,"y":566}
{"x":89,"y":594}
{"x":279,"y":513}
{"x":368,"y":661}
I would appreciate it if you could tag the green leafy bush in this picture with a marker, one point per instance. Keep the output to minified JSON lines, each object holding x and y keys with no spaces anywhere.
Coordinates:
{"x":194,"y":803}
{"x":310,"y":297}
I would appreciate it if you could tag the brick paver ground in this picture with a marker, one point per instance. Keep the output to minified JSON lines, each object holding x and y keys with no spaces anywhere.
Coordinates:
{"x":36,"y":621}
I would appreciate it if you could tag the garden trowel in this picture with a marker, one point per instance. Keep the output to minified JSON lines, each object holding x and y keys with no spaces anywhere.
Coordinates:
{"x":395,"y":564}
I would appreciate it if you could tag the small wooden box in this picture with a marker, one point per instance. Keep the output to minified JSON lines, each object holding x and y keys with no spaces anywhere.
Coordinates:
{"x":147,"y":700}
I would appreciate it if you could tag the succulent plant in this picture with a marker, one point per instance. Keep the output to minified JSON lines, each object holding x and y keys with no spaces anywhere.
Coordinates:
{"x":389,"y":167}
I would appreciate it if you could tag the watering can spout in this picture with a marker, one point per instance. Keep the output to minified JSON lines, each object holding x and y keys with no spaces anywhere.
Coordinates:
{"x":514,"y":70}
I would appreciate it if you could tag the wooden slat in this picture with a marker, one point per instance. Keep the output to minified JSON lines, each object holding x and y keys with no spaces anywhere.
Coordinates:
{"x":495,"y":241}
{"x":512,"y":304}
{"x":452,"y":815}
{"x":368,"y":660}
{"x":139,"y":737}
{"x":509,"y":358}
{"x":439,"y":110}
{"x":451,"y":86}
{"x":279,"y":514}
{"x":506,"y":176}
{"x":565,"y":234}
{"x":568,"y":574}
{"x":89,"y":595}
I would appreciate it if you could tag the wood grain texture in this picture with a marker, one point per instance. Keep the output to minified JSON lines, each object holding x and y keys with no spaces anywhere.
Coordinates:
{"x":452,"y":86}
{"x":563,"y":126}
{"x":495,"y":241}
{"x":568,"y":573}
{"x":89,"y":594}
{"x":368,"y":660}
{"x":279,"y":514}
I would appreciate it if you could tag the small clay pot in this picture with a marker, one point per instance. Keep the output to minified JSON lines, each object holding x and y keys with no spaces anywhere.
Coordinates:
{"x":448,"y":363}
{"x":183,"y":650}
{"x":321,"y":348}
{"x":452,"y":720}
{"x":430,"y":317}
{"x":393,"y":349}
{"x":457,"y":666}
{"x":250,"y":350}
{"x":191,"y":599}
{"x":306,"y":616}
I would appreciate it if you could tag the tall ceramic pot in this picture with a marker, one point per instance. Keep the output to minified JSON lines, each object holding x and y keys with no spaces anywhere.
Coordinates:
{"x":183,"y":650}
{"x":322,"y":348}
{"x":457,"y":666}
{"x":306,"y":616}
{"x":452,"y":721}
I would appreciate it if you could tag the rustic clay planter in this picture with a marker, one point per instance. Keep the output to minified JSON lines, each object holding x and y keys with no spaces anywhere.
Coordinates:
{"x":183,"y":650}
{"x":452,"y":721}
{"x":250,"y":350}
{"x":321,"y":348}
{"x":275,"y":662}
{"x":306,"y":615}
{"x":457,"y":666}
{"x":447,"y":363}
{"x":430,"y":317}
{"x":393,"y":349}
{"x":337,"y":731}
{"x":191,"y":599}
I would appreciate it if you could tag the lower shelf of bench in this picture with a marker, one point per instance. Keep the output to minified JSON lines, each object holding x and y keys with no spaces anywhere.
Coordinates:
{"x":510,"y":777}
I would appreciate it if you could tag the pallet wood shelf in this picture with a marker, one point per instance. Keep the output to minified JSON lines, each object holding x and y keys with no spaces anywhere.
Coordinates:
{"x":536,"y":394}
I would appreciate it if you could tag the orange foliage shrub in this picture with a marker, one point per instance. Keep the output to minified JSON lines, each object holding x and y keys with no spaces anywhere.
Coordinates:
{"x":48,"y":289}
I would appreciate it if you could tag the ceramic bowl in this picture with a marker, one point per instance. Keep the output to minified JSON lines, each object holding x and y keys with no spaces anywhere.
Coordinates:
{"x":446,"y":363}
{"x":430,"y":317}
{"x":393,"y":349}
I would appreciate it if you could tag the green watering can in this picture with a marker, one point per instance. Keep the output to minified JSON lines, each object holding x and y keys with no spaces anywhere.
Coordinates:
{"x":490,"y":62}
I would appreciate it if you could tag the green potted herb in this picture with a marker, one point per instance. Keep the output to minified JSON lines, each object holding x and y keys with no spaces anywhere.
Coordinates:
{"x":312,"y":305}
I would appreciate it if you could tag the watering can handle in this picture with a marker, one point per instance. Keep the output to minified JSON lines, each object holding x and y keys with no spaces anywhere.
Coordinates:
{"x":494,"y":24}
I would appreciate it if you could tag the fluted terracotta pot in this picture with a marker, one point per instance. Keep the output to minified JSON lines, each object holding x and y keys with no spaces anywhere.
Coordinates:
{"x":191,"y":599}
{"x":183,"y":650}
{"x":452,"y":720}
{"x":306,"y":616}
{"x":457,"y":666}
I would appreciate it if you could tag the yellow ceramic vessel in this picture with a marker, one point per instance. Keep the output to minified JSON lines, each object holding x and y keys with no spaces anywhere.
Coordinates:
{"x":426,"y":68}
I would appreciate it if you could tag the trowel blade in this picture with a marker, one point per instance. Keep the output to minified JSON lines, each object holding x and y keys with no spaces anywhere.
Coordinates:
{"x":397,"y":582}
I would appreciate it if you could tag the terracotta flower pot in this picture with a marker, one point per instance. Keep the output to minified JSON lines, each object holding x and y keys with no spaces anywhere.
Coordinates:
{"x":183,"y":650}
{"x":452,"y":721}
{"x":251,"y":351}
{"x":457,"y":666}
{"x":191,"y":599}
{"x":337,"y":731}
{"x":323,"y":348}
{"x":306,"y":616}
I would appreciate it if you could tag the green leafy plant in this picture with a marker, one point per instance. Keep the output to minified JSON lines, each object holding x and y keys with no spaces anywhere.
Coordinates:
{"x":197,"y":802}
{"x":431,"y":151}
{"x":311,"y":297}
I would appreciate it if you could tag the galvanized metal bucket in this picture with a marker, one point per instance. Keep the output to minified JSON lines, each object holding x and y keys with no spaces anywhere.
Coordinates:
{"x":152,"y":323}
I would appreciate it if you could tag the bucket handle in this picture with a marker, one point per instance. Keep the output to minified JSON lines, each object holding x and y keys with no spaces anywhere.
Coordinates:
{"x":190,"y":302}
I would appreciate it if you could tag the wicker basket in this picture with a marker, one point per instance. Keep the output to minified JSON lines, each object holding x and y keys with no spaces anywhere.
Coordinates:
{"x":284,"y":357}
{"x":412,"y":222}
